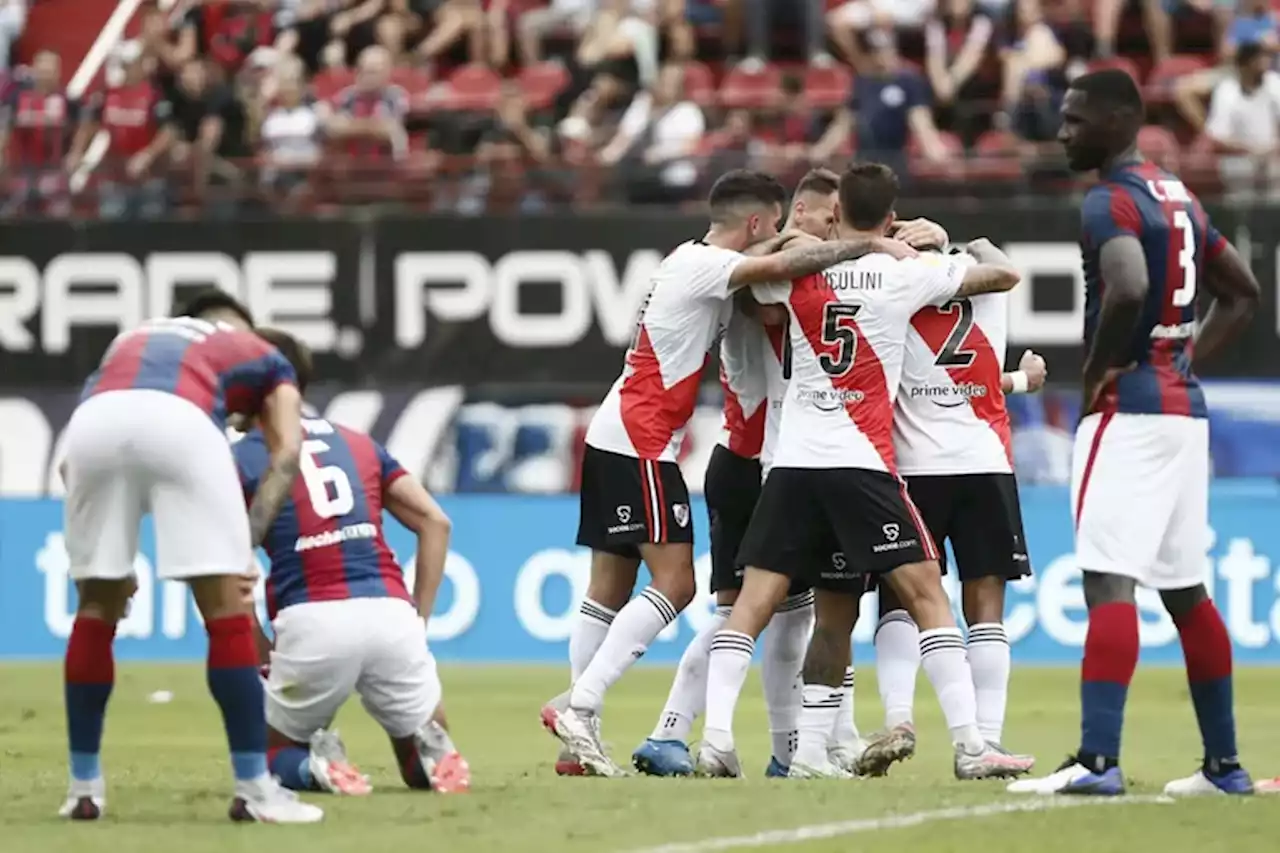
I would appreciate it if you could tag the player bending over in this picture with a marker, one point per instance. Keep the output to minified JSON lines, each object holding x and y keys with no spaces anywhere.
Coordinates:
{"x":834,"y":478}
{"x":344,"y":621}
{"x":148,"y":437}
{"x":634,"y":502}
{"x":952,"y":436}
{"x":1140,"y":470}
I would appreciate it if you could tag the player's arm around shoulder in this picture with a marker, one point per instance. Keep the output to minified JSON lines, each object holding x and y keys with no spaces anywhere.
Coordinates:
{"x":993,"y":272}
{"x":806,"y":255}
{"x":281,"y":422}
{"x":411,"y":504}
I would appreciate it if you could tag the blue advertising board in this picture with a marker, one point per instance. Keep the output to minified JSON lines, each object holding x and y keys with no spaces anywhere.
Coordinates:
{"x":514,"y":576}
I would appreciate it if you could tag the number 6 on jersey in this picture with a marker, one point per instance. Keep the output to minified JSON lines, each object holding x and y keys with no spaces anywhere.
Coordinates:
{"x":317,"y":479}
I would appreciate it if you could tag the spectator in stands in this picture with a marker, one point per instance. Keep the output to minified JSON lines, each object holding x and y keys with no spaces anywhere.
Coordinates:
{"x":509,"y":160}
{"x":441,"y":26}
{"x":370,"y":116}
{"x":763,"y":16}
{"x":136,"y":119}
{"x":888,"y":105}
{"x":1255,"y":23}
{"x":956,"y":43}
{"x":1158,"y":16}
{"x":737,"y":145}
{"x":535,"y":24}
{"x":209,"y":125}
{"x":851,"y":21}
{"x":36,"y":119}
{"x":236,"y":28}
{"x":1054,"y":47}
{"x":1244,"y":124}
{"x":291,"y":136}
{"x":13,"y":17}
{"x":656,"y":140}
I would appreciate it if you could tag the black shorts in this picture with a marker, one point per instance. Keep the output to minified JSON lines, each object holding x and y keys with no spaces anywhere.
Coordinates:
{"x":625,"y":502}
{"x":731,"y":487}
{"x":979,"y":514}
{"x":865,"y":515}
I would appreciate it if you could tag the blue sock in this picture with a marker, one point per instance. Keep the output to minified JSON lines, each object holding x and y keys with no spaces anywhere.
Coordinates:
{"x":1206,"y":646}
{"x":292,"y":766}
{"x":88,"y":677}
{"x":234,"y":683}
{"x":1110,"y":657}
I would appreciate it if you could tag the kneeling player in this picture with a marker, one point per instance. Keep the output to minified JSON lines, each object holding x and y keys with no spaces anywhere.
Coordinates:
{"x":344,"y":621}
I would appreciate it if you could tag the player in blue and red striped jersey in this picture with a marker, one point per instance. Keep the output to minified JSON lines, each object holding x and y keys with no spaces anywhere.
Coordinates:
{"x":148,"y":437}
{"x":344,"y":619}
{"x":1140,"y":479}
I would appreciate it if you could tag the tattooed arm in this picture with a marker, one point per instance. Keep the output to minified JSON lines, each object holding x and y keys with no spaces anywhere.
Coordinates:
{"x":811,"y":257}
{"x":281,"y":422}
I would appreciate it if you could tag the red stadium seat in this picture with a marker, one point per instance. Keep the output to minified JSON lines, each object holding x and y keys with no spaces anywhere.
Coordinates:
{"x":1199,"y":163}
{"x":827,"y":88}
{"x":1120,"y":63}
{"x":996,"y":157}
{"x":327,"y":84}
{"x":473,"y":88}
{"x":1166,"y":73}
{"x":699,"y":84}
{"x":1160,"y":146}
{"x":744,"y":90}
{"x":542,"y":82}
{"x":417,"y":84}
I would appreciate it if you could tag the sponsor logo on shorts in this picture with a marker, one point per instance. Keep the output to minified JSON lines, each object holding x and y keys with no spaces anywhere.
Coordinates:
{"x":839,"y":568}
{"x":893,"y":540}
{"x":891,"y":532}
{"x":948,"y":396}
{"x":829,"y":399}
{"x":681,"y":514}
{"x":624,"y":513}
{"x":336,"y":537}
{"x":627,"y":526}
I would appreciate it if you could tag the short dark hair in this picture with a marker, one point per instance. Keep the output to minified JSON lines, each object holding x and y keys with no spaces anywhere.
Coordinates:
{"x":213,"y":299}
{"x":1248,"y":53}
{"x":820,"y":181}
{"x":743,"y":186}
{"x":868,"y":192}
{"x":1111,"y":87}
{"x":295,"y":352}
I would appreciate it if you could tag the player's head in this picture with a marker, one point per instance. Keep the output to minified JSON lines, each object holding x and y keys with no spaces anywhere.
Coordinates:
{"x":746,"y":206}
{"x":217,"y":305}
{"x":1101,"y":116}
{"x":868,"y":192}
{"x":813,"y":206}
{"x":295,"y":352}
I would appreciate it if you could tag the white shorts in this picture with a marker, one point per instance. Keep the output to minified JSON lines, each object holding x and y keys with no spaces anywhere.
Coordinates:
{"x":326,"y":650}
{"x":137,"y":451}
{"x":1140,"y":498}
{"x":905,"y":14}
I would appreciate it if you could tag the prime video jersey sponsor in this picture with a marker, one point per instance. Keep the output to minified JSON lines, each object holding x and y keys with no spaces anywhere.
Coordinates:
{"x":514,"y":577}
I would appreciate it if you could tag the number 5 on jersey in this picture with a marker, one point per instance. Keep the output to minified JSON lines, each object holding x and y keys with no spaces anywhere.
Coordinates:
{"x":318,"y":479}
{"x":839,"y":331}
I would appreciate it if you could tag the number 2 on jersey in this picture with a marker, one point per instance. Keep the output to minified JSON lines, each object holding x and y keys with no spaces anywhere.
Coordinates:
{"x":319,"y":478}
{"x":1185,"y":295}
{"x":951,"y":354}
{"x":838,"y":331}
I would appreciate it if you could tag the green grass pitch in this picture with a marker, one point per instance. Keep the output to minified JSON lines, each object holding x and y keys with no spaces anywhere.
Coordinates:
{"x":168,"y":776}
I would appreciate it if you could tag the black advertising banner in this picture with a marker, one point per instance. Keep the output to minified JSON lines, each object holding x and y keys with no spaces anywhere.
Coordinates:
{"x":482,"y":301}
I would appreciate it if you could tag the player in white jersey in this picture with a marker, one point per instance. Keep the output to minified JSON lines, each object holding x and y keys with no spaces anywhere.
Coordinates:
{"x":753,"y":384}
{"x":634,"y":502}
{"x":952,"y":436}
{"x":834,"y":474}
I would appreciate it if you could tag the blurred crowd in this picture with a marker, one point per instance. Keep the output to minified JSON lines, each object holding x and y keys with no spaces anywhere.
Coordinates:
{"x":524,"y":105}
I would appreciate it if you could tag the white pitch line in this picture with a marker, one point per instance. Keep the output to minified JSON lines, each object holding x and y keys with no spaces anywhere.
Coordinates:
{"x":852,"y":827}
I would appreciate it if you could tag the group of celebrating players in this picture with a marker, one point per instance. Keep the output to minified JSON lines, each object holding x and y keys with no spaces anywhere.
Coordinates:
{"x":865,"y":425}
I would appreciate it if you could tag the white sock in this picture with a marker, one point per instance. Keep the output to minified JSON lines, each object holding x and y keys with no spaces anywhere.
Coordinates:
{"x":942,"y":654}
{"x":846,"y":730}
{"x":588,"y":633}
{"x":688,"y":696}
{"x":727,"y":667}
{"x":817,"y":721}
{"x":786,"y":640}
{"x":989,"y":660}
{"x":897,"y":662}
{"x":634,"y":628}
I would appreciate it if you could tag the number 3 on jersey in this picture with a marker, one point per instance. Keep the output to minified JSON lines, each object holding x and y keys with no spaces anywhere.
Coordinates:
{"x":1185,"y":295}
{"x":319,"y":478}
{"x":839,"y":331}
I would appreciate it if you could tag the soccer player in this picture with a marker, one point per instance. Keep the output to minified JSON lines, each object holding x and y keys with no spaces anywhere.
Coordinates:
{"x":344,"y":620}
{"x":634,"y":502}
{"x":148,"y":437}
{"x":952,"y":436}
{"x":1140,"y":471}
{"x":753,"y":384}
{"x":834,"y":477}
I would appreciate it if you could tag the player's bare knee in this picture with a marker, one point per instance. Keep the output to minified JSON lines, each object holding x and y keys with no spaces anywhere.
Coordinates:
{"x":726,"y":597}
{"x":219,"y":596}
{"x":1102,"y":589}
{"x":919,"y":588}
{"x":104,"y":600}
{"x":613,"y":577}
{"x":983,"y":600}
{"x":671,"y":565}
{"x":762,"y":592}
{"x":1179,"y":602}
